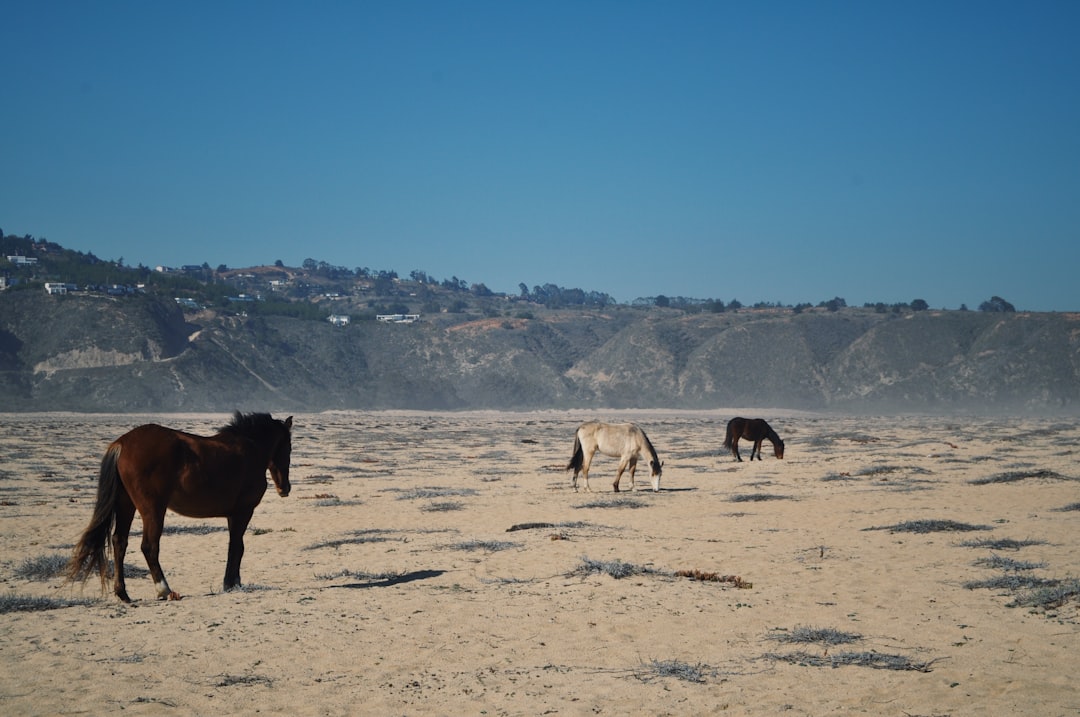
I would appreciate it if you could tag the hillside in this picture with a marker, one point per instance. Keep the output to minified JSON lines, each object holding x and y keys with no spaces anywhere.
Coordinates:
{"x":98,"y":353}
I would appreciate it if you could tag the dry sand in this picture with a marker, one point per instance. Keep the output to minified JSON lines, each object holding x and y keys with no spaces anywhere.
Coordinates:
{"x":388,"y":583}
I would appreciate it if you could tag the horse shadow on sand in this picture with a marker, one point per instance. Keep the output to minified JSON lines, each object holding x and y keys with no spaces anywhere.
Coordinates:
{"x":391,"y":580}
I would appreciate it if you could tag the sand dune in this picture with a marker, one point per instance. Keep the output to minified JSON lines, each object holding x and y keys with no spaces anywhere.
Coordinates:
{"x":390,"y":581}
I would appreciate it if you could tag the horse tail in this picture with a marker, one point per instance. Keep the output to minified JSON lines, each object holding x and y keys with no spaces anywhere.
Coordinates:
{"x":89,"y":555}
{"x":730,"y":434}
{"x":577,"y":460}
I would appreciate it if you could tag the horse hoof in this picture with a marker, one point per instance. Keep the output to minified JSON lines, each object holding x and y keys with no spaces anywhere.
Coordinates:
{"x":173,"y":595}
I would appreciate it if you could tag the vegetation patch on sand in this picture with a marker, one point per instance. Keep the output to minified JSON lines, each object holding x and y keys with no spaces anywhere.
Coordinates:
{"x":621,"y":502}
{"x":756,"y":497}
{"x":1049,"y":596}
{"x":872,"y":659}
{"x":42,"y":568}
{"x":814,"y":635}
{"x":1016,"y":476}
{"x":1001,"y":543}
{"x":26,"y":603}
{"x":614,"y":568}
{"x":356,"y":537}
{"x":931,"y":526}
{"x":697,"y":673}
{"x":490,"y":546}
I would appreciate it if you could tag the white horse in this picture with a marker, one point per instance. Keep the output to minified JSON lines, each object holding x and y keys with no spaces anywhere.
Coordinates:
{"x":624,"y":441}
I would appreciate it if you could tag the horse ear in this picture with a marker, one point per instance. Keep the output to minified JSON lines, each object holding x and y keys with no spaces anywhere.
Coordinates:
{"x":288,"y":423}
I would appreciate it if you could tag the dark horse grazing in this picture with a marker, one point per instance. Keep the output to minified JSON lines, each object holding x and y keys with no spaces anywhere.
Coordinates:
{"x":752,"y":429}
{"x":151,"y":468}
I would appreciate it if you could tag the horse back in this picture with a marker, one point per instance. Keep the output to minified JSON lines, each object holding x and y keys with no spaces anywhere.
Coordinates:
{"x":196,"y":476}
{"x":151,"y":445}
{"x":614,"y":439}
{"x":751,"y":429}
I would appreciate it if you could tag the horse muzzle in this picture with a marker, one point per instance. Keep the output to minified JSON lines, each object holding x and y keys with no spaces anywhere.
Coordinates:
{"x":281,"y":482}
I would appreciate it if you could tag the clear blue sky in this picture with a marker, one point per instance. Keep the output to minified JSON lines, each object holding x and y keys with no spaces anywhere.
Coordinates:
{"x":764,"y":151}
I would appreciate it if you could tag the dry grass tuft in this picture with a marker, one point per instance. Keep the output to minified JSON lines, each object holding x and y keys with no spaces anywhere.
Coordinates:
{"x":614,"y":503}
{"x":1015,"y":476}
{"x":23,"y":603}
{"x":42,"y":568}
{"x":814,"y":635}
{"x":1001,"y":543}
{"x":757,"y":497}
{"x":1049,"y":596}
{"x":357,"y":537}
{"x":871,"y":659}
{"x":697,"y":673}
{"x":1009,"y":564}
{"x":930,"y":526}
{"x":491,"y":546}
{"x":615,"y":568}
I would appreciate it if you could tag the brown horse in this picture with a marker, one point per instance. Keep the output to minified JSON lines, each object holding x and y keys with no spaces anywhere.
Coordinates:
{"x":624,"y":441}
{"x":752,"y":429}
{"x":151,"y":468}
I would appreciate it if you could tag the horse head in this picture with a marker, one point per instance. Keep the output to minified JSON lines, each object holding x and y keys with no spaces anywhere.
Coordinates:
{"x":655,"y":469}
{"x":778,"y":448}
{"x":279,"y":460}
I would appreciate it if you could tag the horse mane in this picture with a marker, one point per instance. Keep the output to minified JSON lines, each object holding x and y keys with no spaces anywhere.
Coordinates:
{"x":652,"y":451}
{"x":249,"y":425}
{"x":773,"y":436}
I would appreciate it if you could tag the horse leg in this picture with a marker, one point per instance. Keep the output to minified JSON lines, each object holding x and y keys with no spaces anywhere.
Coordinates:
{"x":238,"y":523}
{"x":125,"y":513}
{"x":757,"y":449}
{"x":633,"y":469}
{"x":618,"y":475}
{"x":585,"y":471}
{"x":153,"y":525}
{"x":735,"y":449}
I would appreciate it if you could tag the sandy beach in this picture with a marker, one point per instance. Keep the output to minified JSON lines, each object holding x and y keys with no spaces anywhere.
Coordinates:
{"x":442,"y":564}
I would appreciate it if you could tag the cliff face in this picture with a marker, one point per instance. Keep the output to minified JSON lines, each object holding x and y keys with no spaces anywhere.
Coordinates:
{"x":84,"y":353}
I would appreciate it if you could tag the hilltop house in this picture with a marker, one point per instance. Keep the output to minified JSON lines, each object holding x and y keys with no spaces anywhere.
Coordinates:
{"x":398,"y":318}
